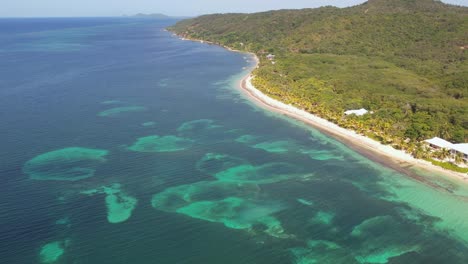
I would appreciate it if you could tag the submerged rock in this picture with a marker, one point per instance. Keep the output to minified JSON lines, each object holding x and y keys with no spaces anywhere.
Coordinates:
{"x":119,"y":204}
{"x":322,"y":154}
{"x":213,"y":163}
{"x":119,"y":207}
{"x":197,"y":126}
{"x":386,"y":244}
{"x":322,"y":217}
{"x":68,"y":164}
{"x":322,"y":252}
{"x":284,"y":146}
{"x":247,"y":139}
{"x":161,"y":144}
{"x":276,"y":146}
{"x":149,"y":124}
{"x":305,"y":202}
{"x":233,"y":205}
{"x":111,"y":102}
{"x":63,"y":221}
{"x":176,"y":197}
{"x":263,"y":174}
{"x":119,"y":110}
{"x":52,"y":252}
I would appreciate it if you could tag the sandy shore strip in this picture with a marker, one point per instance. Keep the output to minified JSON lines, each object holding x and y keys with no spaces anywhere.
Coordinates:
{"x":384,"y":154}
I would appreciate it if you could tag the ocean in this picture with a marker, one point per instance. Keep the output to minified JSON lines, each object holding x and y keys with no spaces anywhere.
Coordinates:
{"x":121,"y":143}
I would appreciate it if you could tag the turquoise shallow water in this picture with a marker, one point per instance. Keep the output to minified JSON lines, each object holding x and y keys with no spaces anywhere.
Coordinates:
{"x":123,"y":144}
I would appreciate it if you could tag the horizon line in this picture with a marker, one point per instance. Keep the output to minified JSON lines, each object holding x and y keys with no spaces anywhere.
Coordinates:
{"x":191,"y":16}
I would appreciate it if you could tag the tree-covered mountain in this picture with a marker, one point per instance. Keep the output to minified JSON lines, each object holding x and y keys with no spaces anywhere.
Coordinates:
{"x":405,"y":60}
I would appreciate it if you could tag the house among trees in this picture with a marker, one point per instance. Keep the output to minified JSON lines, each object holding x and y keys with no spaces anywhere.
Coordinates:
{"x":455,"y":149}
{"x":270,"y":56}
{"x":438,"y":143}
{"x":462,"y":150}
{"x":359,"y":112}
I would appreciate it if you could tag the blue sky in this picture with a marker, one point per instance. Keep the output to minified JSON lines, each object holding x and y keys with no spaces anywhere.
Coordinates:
{"x":52,"y":8}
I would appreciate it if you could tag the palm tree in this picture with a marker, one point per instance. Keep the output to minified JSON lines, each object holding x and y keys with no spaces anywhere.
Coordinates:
{"x":444,"y":154}
{"x":458,"y":158}
{"x":417,"y":153}
{"x":440,"y":154}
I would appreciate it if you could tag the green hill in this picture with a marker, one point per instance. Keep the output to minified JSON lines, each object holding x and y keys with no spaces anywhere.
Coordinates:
{"x":405,"y":60}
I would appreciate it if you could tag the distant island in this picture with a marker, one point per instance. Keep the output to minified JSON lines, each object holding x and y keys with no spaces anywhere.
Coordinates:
{"x":152,"y":16}
{"x":404,"y":63}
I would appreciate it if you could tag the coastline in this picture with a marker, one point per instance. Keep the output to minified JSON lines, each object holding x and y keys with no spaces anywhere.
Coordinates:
{"x":386,"y":155}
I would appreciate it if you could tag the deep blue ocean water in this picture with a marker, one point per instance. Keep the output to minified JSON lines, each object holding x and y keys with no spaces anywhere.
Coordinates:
{"x":121,"y":143}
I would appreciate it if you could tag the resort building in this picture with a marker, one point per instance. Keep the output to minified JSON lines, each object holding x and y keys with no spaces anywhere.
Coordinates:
{"x":438,"y":143}
{"x":359,"y":112}
{"x":461,"y":149}
{"x":456,"y":149}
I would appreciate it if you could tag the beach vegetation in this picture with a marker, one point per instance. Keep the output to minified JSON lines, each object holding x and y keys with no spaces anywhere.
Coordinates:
{"x":448,"y":165}
{"x":404,"y":61}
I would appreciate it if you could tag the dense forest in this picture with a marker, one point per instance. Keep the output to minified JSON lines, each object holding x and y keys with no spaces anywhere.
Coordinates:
{"x":404,"y":60}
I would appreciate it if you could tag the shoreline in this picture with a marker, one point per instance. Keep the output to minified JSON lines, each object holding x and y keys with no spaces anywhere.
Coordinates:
{"x":383,"y":154}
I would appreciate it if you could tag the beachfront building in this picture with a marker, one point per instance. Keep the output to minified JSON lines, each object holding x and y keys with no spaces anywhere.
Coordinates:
{"x":438,"y":143}
{"x":462,"y":150}
{"x":359,"y":112}
{"x":455,"y":149}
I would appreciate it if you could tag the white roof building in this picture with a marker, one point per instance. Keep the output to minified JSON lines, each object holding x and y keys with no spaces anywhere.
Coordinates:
{"x":439,"y":143}
{"x":359,"y":112}
{"x":461,"y":148}
{"x":454,"y":148}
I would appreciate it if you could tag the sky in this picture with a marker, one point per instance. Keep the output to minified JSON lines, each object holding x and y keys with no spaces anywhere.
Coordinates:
{"x":67,"y":8}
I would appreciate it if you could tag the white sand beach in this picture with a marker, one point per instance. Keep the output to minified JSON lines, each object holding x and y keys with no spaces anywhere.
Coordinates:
{"x":384,"y":154}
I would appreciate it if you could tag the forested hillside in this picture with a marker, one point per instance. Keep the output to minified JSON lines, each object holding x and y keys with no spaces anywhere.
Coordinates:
{"x":405,"y":60}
